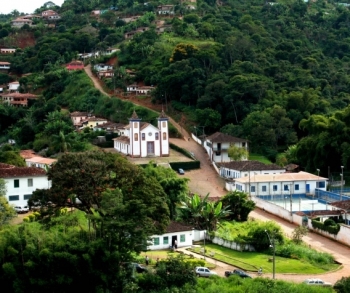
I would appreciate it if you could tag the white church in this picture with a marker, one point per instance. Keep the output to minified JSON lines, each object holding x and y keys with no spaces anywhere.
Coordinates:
{"x":141,"y":139}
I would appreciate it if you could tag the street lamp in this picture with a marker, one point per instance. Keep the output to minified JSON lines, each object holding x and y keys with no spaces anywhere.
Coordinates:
{"x":272,"y":245}
{"x":318,"y":182}
{"x":341,"y":182}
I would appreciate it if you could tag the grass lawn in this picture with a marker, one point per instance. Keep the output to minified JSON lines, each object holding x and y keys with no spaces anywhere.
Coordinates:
{"x":161,"y":254}
{"x":251,"y":261}
{"x":257,"y":157}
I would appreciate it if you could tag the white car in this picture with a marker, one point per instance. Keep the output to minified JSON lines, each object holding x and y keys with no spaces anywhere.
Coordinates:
{"x":204,"y":272}
{"x":21,"y":209}
{"x":317,"y":282}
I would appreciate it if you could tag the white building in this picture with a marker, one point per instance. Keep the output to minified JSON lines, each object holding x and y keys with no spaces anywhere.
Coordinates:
{"x":141,"y":139}
{"x":178,"y":232}
{"x":5,"y":65}
{"x":217,"y":146}
{"x":40,"y":162}
{"x":102,"y":67}
{"x":21,"y":182}
{"x":13,"y":86}
{"x":238,"y":169}
{"x":279,"y":184}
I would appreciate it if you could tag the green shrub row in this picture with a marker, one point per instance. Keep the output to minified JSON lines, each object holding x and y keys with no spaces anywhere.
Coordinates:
{"x":330,"y":229}
{"x":186,"y":165}
{"x":181,"y":150}
{"x":106,"y":144}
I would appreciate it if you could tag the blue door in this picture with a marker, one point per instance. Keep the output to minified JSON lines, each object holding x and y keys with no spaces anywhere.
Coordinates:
{"x":307,"y":188}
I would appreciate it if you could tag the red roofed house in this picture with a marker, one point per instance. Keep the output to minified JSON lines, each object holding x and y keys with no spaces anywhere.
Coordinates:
{"x":22,"y":181}
{"x":75,"y":65}
{"x":5,"y":65}
{"x":17,"y":99}
{"x":181,"y":233}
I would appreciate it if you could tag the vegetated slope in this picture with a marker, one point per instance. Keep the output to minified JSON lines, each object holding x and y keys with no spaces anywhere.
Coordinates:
{"x":253,"y":70}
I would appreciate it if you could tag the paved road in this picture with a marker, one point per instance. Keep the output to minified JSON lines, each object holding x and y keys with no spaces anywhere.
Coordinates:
{"x":205,"y":180}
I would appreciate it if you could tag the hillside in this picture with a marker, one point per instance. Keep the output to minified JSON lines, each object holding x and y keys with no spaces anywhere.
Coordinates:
{"x":276,"y":73}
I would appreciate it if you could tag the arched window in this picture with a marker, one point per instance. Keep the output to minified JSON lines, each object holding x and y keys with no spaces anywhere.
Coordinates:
{"x":136,"y":137}
{"x":164,"y":135}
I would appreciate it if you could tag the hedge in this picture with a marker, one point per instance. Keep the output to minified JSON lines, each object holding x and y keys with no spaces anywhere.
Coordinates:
{"x":181,"y":150}
{"x":185,"y":165}
{"x":330,"y":229}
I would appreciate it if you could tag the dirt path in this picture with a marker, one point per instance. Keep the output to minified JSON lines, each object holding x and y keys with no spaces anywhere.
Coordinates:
{"x":95,"y":80}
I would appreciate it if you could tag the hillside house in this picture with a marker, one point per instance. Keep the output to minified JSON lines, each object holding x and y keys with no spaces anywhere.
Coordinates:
{"x":165,"y":10}
{"x":238,"y":169}
{"x":75,"y":65}
{"x":7,"y":51}
{"x":105,"y":74}
{"x":48,"y":13}
{"x":40,"y":162}
{"x":19,"y":22}
{"x":13,"y":86}
{"x":102,"y":67}
{"x":21,"y":182}
{"x":132,"y":88}
{"x":218,"y":144}
{"x":278,"y":184}
{"x":5,"y":66}
{"x":79,"y":117}
{"x":182,"y":233}
{"x":131,"y":34}
{"x":92,"y":122}
{"x":17,"y":99}
{"x":109,"y":127}
{"x":141,"y":139}
{"x":110,"y":51}
{"x":145,"y":90}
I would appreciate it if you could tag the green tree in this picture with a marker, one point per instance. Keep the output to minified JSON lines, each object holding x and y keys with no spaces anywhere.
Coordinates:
{"x":7,"y":212}
{"x":237,"y":153}
{"x":239,"y":204}
{"x":342,"y":285}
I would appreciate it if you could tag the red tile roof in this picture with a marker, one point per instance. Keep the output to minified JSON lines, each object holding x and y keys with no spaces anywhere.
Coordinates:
{"x":249,"y":166}
{"x":222,"y":137}
{"x":9,"y":171}
{"x":178,"y":227}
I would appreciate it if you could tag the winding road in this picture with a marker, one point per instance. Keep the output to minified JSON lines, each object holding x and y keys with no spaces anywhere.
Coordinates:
{"x":206,"y":180}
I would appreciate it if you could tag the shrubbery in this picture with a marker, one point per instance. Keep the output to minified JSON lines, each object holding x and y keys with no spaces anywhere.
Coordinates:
{"x":329,"y":226}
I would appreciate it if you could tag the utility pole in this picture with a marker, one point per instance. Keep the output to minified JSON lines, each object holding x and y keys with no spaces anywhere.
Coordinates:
{"x":272,"y":245}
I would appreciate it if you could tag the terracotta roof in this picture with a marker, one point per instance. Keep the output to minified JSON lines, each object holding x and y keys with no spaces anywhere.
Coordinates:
{"x":95,"y":119}
{"x":78,"y":114}
{"x":222,"y":137}
{"x":324,"y":213}
{"x":344,"y":204}
{"x":13,"y":171}
{"x":27,"y":154}
{"x":20,"y":95}
{"x":110,"y":124}
{"x":249,"y":166}
{"x":144,"y":125}
{"x":300,"y":176}
{"x":123,"y":139}
{"x":178,"y":227}
{"x":4,"y":63}
{"x":41,"y":160}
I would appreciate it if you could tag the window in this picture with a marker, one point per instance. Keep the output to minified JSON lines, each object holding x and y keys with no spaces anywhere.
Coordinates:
{"x":296,"y":187}
{"x":30,"y":182}
{"x":136,"y":137}
{"x":252,"y":188}
{"x":27,"y":196}
{"x":182,"y":238}
{"x":166,"y":240}
{"x":285,"y":187}
{"x":263,"y":188}
{"x":143,"y":136}
{"x":163,"y":124}
{"x":164,"y":135}
{"x":157,"y":135}
{"x":321,"y":184}
{"x":243,"y":144}
{"x":13,"y":197}
{"x":135,"y":124}
{"x":156,"y":241}
{"x":275,"y":187}
{"x":16,"y":183}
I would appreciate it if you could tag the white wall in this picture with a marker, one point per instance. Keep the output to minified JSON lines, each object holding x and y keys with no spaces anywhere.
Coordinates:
{"x":196,"y":139}
{"x":233,"y":245}
{"x":188,"y":240}
{"x":39,"y":182}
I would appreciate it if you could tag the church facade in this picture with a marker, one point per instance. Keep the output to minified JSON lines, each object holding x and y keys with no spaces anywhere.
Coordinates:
{"x":141,"y":139}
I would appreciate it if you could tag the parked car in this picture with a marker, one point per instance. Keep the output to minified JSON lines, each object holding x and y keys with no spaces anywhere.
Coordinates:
{"x":21,"y":209}
{"x":204,"y":272}
{"x":317,"y":282}
{"x":181,"y":171}
{"x":239,"y":273}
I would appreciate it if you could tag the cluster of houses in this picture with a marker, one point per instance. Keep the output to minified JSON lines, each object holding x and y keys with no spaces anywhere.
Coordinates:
{"x":47,"y":15}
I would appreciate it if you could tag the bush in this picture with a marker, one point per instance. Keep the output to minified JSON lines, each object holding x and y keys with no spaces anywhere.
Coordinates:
{"x":181,"y":150}
{"x":330,"y":229}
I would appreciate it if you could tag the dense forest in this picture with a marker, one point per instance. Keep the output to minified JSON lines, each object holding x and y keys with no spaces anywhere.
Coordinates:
{"x":276,"y":73}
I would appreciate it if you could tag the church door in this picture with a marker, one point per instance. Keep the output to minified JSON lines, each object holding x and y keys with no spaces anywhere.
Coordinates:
{"x":150,"y":148}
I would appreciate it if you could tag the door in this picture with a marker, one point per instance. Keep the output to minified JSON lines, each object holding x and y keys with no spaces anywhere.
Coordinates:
{"x":150,"y":148}
{"x":307,"y":188}
{"x":173,"y":239}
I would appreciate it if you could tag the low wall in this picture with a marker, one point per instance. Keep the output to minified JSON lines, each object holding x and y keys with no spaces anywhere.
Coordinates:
{"x":273,"y":209}
{"x":216,"y":168}
{"x":196,"y":139}
{"x":232,"y":245}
